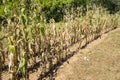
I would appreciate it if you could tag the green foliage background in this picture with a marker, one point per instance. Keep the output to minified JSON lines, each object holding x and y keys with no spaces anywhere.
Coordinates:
{"x":50,"y":8}
{"x":47,"y":8}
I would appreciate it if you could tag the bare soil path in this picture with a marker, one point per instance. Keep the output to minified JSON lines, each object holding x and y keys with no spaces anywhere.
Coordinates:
{"x":100,"y":60}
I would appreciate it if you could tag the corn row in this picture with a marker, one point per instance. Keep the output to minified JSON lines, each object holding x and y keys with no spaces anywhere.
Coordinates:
{"x":48,"y":44}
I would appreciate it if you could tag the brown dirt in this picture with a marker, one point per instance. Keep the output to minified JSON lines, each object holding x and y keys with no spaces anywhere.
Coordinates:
{"x":100,"y":60}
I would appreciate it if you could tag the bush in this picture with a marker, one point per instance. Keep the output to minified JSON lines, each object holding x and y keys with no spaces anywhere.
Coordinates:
{"x":55,"y":9}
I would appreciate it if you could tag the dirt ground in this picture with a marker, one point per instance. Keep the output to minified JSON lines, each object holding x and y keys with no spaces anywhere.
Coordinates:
{"x":100,"y":60}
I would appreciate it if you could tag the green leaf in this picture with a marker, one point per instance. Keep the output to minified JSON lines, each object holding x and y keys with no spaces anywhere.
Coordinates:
{"x":22,"y":66}
{"x":11,"y":49}
{"x":42,"y":29}
{"x":22,"y":63}
{"x":23,"y":70}
{"x":24,"y":19}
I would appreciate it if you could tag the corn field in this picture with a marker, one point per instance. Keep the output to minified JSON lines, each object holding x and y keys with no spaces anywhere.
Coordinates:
{"x":27,"y":44}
